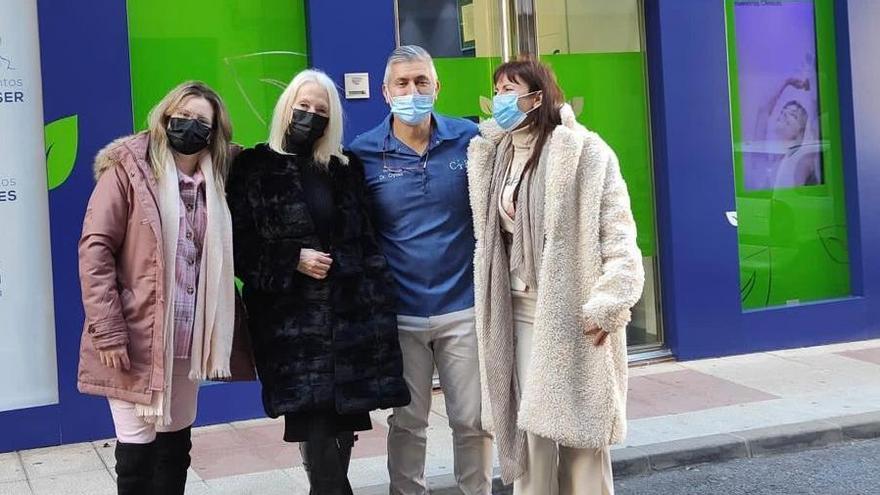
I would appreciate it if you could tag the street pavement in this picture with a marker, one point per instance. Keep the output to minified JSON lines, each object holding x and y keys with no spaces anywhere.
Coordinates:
{"x":851,"y":468}
{"x":681,"y":414}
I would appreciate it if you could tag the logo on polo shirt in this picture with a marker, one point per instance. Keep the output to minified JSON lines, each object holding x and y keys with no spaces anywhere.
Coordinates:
{"x":458,"y":164}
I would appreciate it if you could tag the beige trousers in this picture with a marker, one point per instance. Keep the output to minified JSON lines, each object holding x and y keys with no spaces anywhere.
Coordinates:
{"x":450,"y":342}
{"x":552,"y":468}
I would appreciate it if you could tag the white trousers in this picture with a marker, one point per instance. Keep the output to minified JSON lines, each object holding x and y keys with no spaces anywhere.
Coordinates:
{"x":131,"y":428}
{"x":450,"y":342}
{"x":552,"y":468}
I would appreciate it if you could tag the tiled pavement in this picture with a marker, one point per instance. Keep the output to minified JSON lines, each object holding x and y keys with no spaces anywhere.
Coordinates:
{"x":667,"y":402}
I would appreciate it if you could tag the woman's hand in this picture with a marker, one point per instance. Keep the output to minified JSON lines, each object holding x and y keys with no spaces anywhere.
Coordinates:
{"x":314,"y":264}
{"x":116,"y":357}
{"x":601,"y":335}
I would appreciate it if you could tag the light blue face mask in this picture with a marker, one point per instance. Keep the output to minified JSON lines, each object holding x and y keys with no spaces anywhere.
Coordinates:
{"x":506,"y":111}
{"x":412,"y":109}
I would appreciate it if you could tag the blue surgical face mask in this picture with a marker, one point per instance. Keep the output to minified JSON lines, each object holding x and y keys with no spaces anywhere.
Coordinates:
{"x":505,"y":110}
{"x":412,"y":109}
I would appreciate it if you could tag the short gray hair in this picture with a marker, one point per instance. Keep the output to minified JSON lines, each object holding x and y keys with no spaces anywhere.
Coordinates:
{"x":409,"y":53}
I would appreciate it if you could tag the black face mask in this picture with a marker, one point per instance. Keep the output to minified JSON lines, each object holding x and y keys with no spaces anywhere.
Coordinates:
{"x":187,"y":136}
{"x":304,"y":130}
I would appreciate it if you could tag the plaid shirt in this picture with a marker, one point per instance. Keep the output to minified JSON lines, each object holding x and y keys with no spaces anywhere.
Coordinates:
{"x":193,"y":221}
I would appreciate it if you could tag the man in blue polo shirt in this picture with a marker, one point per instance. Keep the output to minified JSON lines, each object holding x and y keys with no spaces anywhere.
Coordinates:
{"x":415,"y":163}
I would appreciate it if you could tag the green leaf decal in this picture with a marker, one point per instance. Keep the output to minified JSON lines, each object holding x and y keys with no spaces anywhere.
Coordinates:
{"x":62,"y":137}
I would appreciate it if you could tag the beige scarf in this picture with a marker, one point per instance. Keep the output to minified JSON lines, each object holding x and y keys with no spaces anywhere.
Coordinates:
{"x":528,"y":233}
{"x":497,"y":341}
{"x":215,"y":308}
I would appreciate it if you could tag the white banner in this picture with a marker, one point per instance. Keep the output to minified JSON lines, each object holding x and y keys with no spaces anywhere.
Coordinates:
{"x":28,"y":370}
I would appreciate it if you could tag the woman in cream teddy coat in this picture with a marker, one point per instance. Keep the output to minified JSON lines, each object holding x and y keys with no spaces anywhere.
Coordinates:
{"x":554,"y":386}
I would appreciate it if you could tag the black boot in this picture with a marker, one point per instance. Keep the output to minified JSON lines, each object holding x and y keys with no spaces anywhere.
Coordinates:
{"x":172,"y":461}
{"x":345,"y":443}
{"x":134,"y":468}
{"x":326,"y":459}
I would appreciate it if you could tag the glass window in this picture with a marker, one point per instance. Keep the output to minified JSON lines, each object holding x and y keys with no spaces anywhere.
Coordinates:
{"x":464,"y":38}
{"x":791,"y":212}
{"x":596,"y":50}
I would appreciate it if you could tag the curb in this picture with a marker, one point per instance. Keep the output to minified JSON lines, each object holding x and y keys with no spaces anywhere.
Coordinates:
{"x":641,"y":460}
{"x":631,"y":461}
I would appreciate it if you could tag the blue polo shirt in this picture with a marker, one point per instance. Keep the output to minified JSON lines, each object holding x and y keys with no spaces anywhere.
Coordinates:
{"x":423,"y":213}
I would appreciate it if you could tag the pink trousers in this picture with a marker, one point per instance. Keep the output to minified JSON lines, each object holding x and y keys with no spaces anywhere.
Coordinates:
{"x":130,"y":428}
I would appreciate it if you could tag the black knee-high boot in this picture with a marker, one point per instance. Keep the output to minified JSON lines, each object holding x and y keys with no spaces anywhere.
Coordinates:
{"x":172,"y":461}
{"x":326,"y":459}
{"x":345,"y":443}
{"x":134,"y":468}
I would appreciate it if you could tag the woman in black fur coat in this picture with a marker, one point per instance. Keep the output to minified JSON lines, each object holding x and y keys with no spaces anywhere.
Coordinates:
{"x":317,"y":288}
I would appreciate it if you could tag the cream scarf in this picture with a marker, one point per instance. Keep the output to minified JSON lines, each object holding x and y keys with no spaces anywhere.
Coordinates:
{"x":215,"y":307}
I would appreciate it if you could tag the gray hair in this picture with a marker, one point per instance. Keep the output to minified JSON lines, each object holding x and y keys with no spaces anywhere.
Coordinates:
{"x":409,"y":53}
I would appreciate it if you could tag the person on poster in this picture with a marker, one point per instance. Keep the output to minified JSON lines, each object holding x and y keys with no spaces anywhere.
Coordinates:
{"x":787,"y":156}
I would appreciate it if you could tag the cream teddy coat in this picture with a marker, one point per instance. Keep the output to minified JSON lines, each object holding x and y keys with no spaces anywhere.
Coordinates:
{"x":590,"y":271}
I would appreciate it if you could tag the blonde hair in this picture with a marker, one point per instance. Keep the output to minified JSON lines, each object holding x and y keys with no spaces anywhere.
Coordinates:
{"x":328,"y":145}
{"x":221,"y":130}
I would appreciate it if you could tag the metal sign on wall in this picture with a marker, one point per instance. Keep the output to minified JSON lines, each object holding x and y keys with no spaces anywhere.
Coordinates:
{"x":27,"y":328}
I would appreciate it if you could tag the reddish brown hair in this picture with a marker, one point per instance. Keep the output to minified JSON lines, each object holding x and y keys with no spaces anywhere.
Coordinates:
{"x":538,"y":77}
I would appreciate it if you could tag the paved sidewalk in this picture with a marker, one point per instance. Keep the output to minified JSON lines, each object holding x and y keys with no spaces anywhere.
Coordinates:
{"x":680,"y":413}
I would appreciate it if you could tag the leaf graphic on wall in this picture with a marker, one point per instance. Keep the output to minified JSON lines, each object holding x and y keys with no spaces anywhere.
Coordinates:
{"x":834,"y":242}
{"x":577,"y":105}
{"x":756,"y":274}
{"x":62,"y":138}
{"x":486,"y":105}
{"x":261,"y":78}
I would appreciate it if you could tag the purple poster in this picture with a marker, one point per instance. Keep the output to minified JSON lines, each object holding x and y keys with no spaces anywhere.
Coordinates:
{"x":778,"y":94}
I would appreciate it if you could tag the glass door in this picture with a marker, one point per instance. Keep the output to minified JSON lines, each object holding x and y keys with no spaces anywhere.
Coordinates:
{"x":597,"y":50}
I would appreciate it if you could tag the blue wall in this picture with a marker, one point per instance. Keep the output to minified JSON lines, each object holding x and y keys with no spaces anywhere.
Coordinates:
{"x":353,"y":36}
{"x":860,"y":68}
{"x":693,"y":161}
{"x":694,"y":174}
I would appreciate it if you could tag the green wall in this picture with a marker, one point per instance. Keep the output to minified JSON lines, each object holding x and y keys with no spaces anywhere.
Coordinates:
{"x":247,"y":50}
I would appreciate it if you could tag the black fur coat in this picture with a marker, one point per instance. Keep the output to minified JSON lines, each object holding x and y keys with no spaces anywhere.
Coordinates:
{"x":320,"y":345}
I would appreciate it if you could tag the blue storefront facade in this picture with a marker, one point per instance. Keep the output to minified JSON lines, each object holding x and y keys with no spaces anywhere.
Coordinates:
{"x":87,"y":71}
